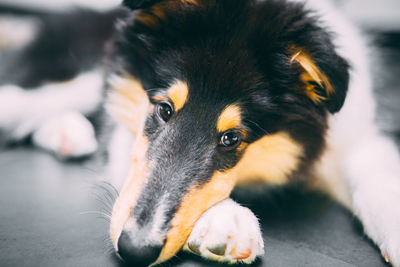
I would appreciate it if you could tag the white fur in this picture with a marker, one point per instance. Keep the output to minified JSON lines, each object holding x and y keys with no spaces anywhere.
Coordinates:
{"x":16,"y":32}
{"x":373,"y":171}
{"x":69,"y":134}
{"x":230,"y":224}
{"x":119,"y":151}
{"x":23,"y":111}
{"x":155,"y":234}
{"x":360,"y":160}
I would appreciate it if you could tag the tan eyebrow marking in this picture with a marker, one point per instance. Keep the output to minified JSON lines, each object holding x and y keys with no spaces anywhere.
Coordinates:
{"x":231,"y":117}
{"x":158,"y":98}
{"x":178,"y":94}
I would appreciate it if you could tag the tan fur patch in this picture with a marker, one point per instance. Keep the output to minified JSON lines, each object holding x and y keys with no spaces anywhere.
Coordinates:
{"x":311,"y":74}
{"x":158,"y":98}
{"x":131,"y":190}
{"x":178,"y":94}
{"x":231,"y":117}
{"x":128,"y":103}
{"x":270,"y":159}
{"x":151,"y":17}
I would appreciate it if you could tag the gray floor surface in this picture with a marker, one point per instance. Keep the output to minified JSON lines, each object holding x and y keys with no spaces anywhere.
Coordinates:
{"x":44,"y":221}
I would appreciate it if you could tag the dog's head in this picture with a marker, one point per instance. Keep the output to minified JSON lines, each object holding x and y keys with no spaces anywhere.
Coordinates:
{"x":217,"y":92}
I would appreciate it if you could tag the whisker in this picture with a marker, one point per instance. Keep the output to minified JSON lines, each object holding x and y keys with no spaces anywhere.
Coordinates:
{"x":106,"y":205}
{"x":110,"y":250}
{"x":108,"y":187}
{"x":108,"y":245}
{"x":106,"y":194}
{"x":106,"y":198}
{"x":108,"y":216}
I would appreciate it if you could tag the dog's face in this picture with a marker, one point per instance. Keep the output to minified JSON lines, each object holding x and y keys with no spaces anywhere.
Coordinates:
{"x":217,"y":92}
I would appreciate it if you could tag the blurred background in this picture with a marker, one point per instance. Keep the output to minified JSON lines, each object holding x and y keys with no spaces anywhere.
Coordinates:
{"x":372,"y":14}
{"x":47,"y":205}
{"x":380,"y":15}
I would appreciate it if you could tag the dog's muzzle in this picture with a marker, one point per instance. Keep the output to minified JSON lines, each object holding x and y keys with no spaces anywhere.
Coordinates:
{"x":171,"y":183}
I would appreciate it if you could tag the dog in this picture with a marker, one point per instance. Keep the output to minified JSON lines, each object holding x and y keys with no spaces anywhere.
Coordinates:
{"x":209,"y":95}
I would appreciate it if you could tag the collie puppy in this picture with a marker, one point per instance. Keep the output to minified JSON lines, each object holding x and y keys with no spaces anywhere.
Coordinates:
{"x":208,"y":95}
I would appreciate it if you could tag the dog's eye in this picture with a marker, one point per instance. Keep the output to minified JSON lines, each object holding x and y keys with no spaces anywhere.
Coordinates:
{"x":164,"y":111}
{"x":230,"y":140}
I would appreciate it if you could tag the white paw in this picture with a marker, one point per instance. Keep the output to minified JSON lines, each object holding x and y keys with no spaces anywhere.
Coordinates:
{"x":381,"y":219}
{"x":391,"y":253}
{"x":228,"y":233}
{"x":68,"y":135}
{"x":389,"y":241}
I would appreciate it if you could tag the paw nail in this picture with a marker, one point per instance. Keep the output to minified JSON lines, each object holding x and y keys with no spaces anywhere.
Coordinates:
{"x":218,"y":249}
{"x":386,"y":256}
{"x":194,"y":247}
{"x":244,"y":255}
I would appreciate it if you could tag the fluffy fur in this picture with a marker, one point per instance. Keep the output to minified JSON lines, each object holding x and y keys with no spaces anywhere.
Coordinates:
{"x":301,"y":106}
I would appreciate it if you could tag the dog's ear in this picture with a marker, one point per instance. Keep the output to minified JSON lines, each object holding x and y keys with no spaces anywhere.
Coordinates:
{"x":324,"y":75}
{"x":139,"y":4}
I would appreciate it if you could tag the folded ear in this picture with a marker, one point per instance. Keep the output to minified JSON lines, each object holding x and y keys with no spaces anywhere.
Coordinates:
{"x":324,"y":76}
{"x":139,"y":4}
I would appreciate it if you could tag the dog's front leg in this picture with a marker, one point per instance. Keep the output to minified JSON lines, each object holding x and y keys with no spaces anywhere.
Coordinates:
{"x":227,"y":232}
{"x":373,"y":173}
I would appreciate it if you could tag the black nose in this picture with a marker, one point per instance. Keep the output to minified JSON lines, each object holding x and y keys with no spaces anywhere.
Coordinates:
{"x":137,"y":254}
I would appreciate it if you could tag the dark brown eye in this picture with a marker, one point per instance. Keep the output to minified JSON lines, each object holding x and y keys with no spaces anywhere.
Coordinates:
{"x":164,"y":111}
{"x":230,"y":140}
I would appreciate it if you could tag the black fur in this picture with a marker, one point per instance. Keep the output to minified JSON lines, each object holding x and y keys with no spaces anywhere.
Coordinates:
{"x":137,"y":4}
